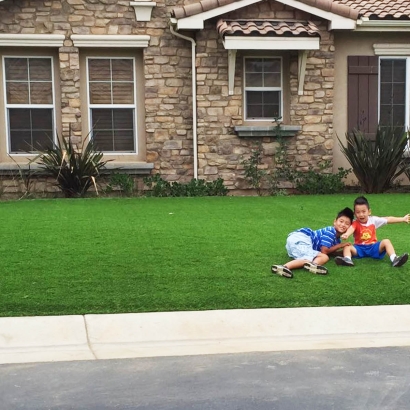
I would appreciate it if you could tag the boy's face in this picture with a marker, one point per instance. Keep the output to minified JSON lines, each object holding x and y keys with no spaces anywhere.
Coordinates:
{"x":362,"y":212}
{"x":342,"y":224}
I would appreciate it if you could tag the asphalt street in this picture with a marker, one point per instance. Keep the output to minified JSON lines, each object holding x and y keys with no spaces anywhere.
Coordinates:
{"x":354,"y":379}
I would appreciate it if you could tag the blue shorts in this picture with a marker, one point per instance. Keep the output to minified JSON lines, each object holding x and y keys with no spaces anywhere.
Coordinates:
{"x":300,"y":246}
{"x":369,"y":251}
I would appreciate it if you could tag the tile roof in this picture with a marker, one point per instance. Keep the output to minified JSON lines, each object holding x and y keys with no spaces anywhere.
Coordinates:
{"x":374,"y":9}
{"x":263,"y":27}
{"x":382,"y":9}
{"x":205,"y":5}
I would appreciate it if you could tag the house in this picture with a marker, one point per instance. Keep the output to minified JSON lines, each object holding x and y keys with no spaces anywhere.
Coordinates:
{"x":185,"y":89}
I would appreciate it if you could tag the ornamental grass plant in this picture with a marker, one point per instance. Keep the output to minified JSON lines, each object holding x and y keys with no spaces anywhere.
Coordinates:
{"x":116,"y":255}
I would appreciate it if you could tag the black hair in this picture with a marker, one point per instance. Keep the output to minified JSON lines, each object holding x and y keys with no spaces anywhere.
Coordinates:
{"x":361,"y":200}
{"x":347,"y":212}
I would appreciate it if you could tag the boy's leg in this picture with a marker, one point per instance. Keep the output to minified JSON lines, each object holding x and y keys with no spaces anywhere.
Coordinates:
{"x":346,"y":260}
{"x":396,"y":261}
{"x":317,"y":265}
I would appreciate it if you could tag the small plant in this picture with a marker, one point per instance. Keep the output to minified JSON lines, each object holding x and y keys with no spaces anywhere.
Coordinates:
{"x":377,"y":163}
{"x":317,"y":182}
{"x":253,"y":174}
{"x":123,"y":182}
{"x":157,"y":186}
{"x":75,"y":170}
{"x":26,"y":176}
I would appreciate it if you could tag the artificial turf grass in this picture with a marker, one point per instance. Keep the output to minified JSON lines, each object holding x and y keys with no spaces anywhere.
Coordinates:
{"x":164,"y":254}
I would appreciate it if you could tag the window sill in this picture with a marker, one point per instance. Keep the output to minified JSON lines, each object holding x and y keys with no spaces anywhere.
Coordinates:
{"x":132,"y":168}
{"x":247,"y":131}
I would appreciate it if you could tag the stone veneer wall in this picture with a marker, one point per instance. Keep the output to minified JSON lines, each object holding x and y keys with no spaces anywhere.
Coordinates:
{"x":167,"y":65}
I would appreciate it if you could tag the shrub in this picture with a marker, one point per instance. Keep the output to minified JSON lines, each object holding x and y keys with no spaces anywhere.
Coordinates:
{"x":317,"y":182}
{"x":253,"y":174}
{"x":196,"y":187}
{"x":123,"y":182}
{"x":377,"y":163}
{"x":74,"y":169}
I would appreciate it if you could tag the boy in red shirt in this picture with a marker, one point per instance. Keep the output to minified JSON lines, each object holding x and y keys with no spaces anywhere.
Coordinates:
{"x":365,"y":240}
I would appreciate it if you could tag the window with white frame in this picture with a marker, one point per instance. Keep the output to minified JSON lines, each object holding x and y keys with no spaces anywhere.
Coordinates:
{"x":393,"y":92}
{"x":29,"y":103}
{"x":112,"y":103}
{"x":263,"y":88}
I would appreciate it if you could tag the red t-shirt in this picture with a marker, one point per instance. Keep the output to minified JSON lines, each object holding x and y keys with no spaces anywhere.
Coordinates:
{"x":366,"y":234}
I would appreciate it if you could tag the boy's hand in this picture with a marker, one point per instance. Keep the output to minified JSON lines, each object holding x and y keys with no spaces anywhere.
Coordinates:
{"x":406,"y":218}
{"x":344,"y":236}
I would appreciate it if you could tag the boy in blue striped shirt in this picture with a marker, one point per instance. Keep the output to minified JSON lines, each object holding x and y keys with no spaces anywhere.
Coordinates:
{"x":310,"y":249}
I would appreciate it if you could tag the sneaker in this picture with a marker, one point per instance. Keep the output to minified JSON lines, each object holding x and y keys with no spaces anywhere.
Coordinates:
{"x":313,"y":268}
{"x":282,"y":271}
{"x":340,"y":261}
{"x":400,"y":260}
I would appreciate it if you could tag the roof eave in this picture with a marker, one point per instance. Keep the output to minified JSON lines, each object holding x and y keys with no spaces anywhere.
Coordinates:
{"x":364,"y":24}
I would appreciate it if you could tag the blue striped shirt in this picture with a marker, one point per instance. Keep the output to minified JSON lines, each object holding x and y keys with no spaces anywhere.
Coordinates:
{"x":322,"y":237}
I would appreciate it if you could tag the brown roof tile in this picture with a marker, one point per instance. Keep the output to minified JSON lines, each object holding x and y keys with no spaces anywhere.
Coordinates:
{"x":397,"y":9}
{"x":382,"y":9}
{"x":270,"y":28}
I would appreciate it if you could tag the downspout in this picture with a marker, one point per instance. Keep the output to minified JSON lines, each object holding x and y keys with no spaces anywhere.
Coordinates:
{"x":194,"y":110}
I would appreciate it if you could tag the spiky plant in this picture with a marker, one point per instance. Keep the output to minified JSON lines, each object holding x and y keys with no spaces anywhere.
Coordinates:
{"x":75,"y":169}
{"x":376,"y":163}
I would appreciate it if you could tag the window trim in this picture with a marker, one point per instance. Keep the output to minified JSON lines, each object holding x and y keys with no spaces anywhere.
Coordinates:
{"x":112,"y":106}
{"x":245,"y":107}
{"x":8,"y":106}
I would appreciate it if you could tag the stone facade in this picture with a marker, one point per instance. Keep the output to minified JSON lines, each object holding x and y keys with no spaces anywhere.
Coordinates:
{"x":168,"y":91}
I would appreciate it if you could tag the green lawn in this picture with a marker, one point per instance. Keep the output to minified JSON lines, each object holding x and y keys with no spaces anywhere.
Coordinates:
{"x":164,"y":254}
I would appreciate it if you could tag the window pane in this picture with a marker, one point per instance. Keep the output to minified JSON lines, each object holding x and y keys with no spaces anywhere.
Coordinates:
{"x":255,"y":111}
{"x":253,"y":80}
{"x":16,"y":69}
{"x":40,"y":69}
{"x":122,"y":70}
{"x":17,"y":93}
{"x":272,"y":80}
{"x":30,"y":129}
{"x":253,"y":65}
{"x":41,"y":93}
{"x":122,"y":93}
{"x":113,"y":129}
{"x":99,"y":69}
{"x":254,"y":97}
{"x":272,"y":65}
{"x":264,"y":104}
{"x":100,"y":93}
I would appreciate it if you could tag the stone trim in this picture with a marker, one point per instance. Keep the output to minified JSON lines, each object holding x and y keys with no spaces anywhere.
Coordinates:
{"x":245,"y":131}
{"x":143,"y":9}
{"x":392,"y":49}
{"x":123,"y":41}
{"x":32,"y":40}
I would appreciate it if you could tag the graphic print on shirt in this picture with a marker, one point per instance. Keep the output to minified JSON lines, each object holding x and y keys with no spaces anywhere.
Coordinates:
{"x":366,"y":234}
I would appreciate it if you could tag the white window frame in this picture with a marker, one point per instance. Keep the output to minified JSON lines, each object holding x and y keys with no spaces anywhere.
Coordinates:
{"x":245,"y":89}
{"x":114,"y":106}
{"x":407,"y":92}
{"x":21,"y":106}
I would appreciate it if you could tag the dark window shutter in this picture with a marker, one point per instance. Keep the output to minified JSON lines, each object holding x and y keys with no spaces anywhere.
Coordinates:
{"x":362,"y":87}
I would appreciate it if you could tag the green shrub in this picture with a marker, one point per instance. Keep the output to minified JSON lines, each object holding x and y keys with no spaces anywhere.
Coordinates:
{"x":377,"y":163}
{"x":253,"y":174}
{"x":159,"y":187}
{"x":123,"y":182}
{"x":75,"y":170}
{"x":316,"y":182}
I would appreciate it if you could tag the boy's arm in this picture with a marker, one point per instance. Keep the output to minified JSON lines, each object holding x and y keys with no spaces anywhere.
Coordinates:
{"x":334,"y":248}
{"x":394,"y":219}
{"x":349,"y":231}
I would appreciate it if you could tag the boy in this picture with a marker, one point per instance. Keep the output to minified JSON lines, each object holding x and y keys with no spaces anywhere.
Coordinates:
{"x":365,"y":240}
{"x":309,"y":249}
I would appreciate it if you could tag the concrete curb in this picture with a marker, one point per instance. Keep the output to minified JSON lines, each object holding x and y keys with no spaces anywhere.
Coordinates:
{"x":90,"y":337}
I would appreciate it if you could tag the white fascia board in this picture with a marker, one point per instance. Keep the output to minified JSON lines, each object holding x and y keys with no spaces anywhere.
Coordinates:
{"x":197,"y":21}
{"x":271,"y":43}
{"x":123,"y":41}
{"x":383,"y":25}
{"x":32,"y":40}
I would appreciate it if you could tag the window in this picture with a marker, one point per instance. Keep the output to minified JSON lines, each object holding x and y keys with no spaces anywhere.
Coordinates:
{"x":29,"y":103}
{"x":392,"y":94}
{"x":263,"y":88}
{"x":112,"y":103}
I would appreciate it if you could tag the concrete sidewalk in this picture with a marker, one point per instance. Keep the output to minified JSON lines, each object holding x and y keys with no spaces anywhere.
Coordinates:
{"x":93,"y":337}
